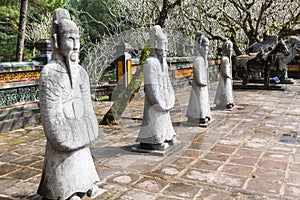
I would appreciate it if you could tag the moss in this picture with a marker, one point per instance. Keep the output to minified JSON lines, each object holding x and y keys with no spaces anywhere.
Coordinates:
{"x":103,"y":98}
{"x":123,"y":100}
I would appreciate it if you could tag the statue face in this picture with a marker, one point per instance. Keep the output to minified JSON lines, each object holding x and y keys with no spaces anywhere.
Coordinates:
{"x":69,"y":44}
{"x":162,"y":51}
{"x":158,"y":39}
{"x":205,"y":47}
{"x":162,"y":44}
{"x":230,"y":50}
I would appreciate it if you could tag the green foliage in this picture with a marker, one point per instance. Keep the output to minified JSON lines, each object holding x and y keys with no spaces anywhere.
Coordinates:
{"x":103,"y":98}
{"x":93,"y":19}
{"x":10,"y":14}
{"x":47,"y":5}
{"x":144,"y":55}
{"x":9,"y":18}
{"x":94,"y":16}
{"x":8,"y":30}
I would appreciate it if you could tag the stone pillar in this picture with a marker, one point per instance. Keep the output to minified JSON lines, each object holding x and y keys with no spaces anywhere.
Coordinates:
{"x":123,"y":64}
{"x":44,"y":46}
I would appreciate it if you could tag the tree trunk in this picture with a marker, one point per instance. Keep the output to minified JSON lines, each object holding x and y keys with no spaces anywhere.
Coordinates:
{"x":166,"y":9}
{"x":125,"y":97}
{"x":123,"y":100}
{"x":21,"y":31}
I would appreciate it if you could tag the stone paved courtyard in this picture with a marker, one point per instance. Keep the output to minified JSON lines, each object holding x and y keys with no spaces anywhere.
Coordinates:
{"x":248,"y":153}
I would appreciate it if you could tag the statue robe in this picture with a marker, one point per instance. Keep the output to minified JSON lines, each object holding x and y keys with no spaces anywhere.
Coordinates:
{"x":70,"y":125}
{"x":224,"y":94}
{"x":199,"y":103}
{"x":159,"y":99}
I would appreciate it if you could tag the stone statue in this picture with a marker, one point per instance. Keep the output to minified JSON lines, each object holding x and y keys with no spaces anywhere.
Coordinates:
{"x":198,"y":111}
{"x":157,"y":131}
{"x":69,"y":122}
{"x":224,"y":94}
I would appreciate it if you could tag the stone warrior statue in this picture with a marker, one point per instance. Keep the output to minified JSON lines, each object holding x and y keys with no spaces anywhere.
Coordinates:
{"x":157,"y":132}
{"x":69,"y":122}
{"x":224,"y":94}
{"x":199,"y":111}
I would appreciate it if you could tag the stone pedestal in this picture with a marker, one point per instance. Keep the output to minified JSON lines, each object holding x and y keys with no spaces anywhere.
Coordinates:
{"x":172,"y":148}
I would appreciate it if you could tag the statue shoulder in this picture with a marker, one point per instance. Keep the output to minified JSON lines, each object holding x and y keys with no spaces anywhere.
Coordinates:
{"x":199,"y":61}
{"x":199,"y":58}
{"x":52,"y":71}
{"x":151,"y":61}
{"x":54,"y":66}
{"x":48,"y":68}
{"x":81,"y":69}
{"x":83,"y":72}
{"x":225,"y":59}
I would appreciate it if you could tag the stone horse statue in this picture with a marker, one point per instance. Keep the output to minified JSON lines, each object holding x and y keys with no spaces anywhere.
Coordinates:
{"x":244,"y":65}
{"x":293,"y":45}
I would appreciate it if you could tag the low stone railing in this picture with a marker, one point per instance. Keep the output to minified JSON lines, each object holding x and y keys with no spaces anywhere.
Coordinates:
{"x":180,"y":72}
{"x":19,"y":102}
{"x":181,"y":69}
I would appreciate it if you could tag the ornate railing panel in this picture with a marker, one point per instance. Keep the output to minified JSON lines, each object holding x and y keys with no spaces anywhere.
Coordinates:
{"x":19,"y":83}
{"x":18,"y":95}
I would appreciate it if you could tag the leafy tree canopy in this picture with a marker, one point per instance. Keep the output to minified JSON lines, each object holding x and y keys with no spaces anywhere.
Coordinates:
{"x":9,"y":19}
{"x":96,"y":17}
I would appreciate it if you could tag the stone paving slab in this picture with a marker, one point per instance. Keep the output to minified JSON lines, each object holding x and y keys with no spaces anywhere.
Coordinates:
{"x":247,"y":153}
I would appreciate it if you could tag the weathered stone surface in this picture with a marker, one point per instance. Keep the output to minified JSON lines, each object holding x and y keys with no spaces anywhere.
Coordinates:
{"x":263,"y":186}
{"x":207,"y":165}
{"x":136,"y":194}
{"x":21,"y":189}
{"x":237,"y":170}
{"x":7,"y":168}
{"x":224,"y":95}
{"x":229,"y":180}
{"x":198,"y":111}
{"x":199,"y":175}
{"x":170,"y":171}
{"x":150,"y":185}
{"x":211,"y":194}
{"x":221,"y":170}
{"x":292,"y":191}
{"x":157,"y":128}
{"x":124,"y":179}
{"x":69,"y":122}
{"x":181,"y":190}
{"x":23,"y":173}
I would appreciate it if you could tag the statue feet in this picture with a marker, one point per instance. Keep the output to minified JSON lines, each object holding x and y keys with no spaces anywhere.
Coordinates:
{"x":229,"y":106}
{"x":172,"y":141}
{"x":159,"y":147}
{"x":204,"y":120}
{"x":75,"y":197}
{"x":96,"y":193}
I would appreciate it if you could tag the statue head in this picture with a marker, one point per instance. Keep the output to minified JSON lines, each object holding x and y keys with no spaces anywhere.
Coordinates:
{"x":227,"y":47}
{"x":202,"y":44}
{"x":65,"y":35}
{"x":158,"y":39}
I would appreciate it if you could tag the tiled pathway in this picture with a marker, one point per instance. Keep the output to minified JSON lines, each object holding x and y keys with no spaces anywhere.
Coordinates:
{"x":248,"y":153}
